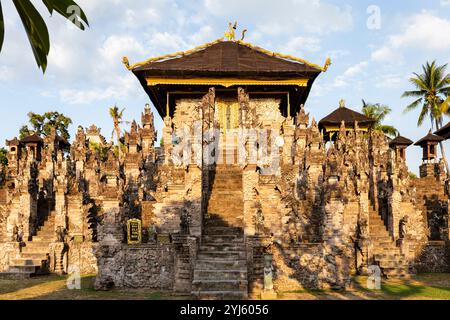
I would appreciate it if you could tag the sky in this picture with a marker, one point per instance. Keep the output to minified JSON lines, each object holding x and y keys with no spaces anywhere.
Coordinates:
{"x":375,"y":46}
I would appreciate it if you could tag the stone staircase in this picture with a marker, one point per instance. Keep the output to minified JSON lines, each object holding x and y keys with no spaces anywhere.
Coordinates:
{"x":220,"y":271}
{"x":385,"y":253}
{"x":34,"y":256}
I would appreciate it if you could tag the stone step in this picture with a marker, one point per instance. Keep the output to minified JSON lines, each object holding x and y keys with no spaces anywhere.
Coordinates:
{"x":224,"y":255}
{"x":223,"y":231}
{"x":384,"y":256}
{"x":222,"y":274}
{"x":219,"y":285}
{"x":221,"y":247}
{"x":220,"y":238}
{"x":225,"y":295}
{"x":219,"y":264}
{"x":34,"y":256}
{"x":44,"y":238}
{"x":37,"y":248}
{"x":392,"y":264}
{"x":26,"y":270}
{"x":27,"y":262}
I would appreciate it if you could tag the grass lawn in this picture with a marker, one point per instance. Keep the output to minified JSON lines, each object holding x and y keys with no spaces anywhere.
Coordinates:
{"x":54,"y":288}
{"x":423,"y":286}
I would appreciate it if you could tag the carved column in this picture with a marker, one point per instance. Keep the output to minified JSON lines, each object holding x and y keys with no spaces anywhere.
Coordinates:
{"x":250,"y":182}
{"x":194,"y":196}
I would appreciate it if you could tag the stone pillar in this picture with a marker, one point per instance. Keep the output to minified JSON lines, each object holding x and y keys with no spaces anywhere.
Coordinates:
{"x":194,"y":183}
{"x":167,"y":138}
{"x":363,"y":242}
{"x":61,"y":210}
{"x":394,"y":201}
{"x":427,"y":170}
{"x":288,"y":148}
{"x":250,"y":181}
{"x":28,"y":205}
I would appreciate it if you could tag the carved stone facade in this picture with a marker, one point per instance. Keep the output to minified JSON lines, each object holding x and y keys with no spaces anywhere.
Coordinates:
{"x":323,"y":210}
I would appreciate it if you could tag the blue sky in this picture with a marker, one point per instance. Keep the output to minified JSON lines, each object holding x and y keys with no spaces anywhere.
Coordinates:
{"x":85,"y":75}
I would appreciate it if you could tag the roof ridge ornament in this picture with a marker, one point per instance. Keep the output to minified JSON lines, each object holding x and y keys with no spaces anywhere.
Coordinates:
{"x":231,"y":33}
{"x":342,"y":103}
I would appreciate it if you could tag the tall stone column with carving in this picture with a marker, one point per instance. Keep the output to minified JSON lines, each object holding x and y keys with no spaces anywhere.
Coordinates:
{"x":335,"y":249}
{"x":194,"y":197}
{"x":250,"y":184}
{"x":28,"y":200}
{"x":167,"y":139}
{"x":301,"y":131}
{"x":288,"y":137}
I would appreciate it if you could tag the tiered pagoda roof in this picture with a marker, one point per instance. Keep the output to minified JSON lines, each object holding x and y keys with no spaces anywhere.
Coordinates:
{"x":346,"y":115}
{"x":400,"y":141}
{"x":430,"y":137}
{"x":226,"y":64}
{"x":444,"y":132}
{"x":34,"y":138}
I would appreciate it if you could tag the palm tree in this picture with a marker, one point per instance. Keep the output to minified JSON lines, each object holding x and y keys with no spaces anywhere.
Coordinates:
{"x":432,"y":96}
{"x":117,"y":116}
{"x":378,"y":112}
{"x":36,"y":28}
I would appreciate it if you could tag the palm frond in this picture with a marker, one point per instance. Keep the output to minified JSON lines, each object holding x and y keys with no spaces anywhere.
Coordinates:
{"x":425,"y":111}
{"x":2,"y":28}
{"x":416,"y":93}
{"x":36,"y":30}
{"x":413,"y":105}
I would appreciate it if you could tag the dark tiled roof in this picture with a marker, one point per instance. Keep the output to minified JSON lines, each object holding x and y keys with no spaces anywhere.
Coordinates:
{"x":402,"y":141}
{"x":34,"y":138}
{"x":13,"y":142}
{"x":444,"y":131}
{"x":429,"y":138}
{"x":348,"y":116}
{"x":225,"y":58}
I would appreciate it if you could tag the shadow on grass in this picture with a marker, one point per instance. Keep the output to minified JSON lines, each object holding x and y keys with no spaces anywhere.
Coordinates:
{"x":55,"y":288}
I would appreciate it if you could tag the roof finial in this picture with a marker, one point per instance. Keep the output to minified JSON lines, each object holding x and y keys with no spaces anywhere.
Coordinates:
{"x":327,"y":64}
{"x":243,"y":34}
{"x":126,"y":62}
{"x":342,"y":103}
{"x":231,"y":33}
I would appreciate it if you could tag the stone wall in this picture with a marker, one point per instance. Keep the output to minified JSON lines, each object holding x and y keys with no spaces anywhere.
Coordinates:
{"x":82,"y":256}
{"x":8,"y":251}
{"x":137,"y":266}
{"x":434,"y":257}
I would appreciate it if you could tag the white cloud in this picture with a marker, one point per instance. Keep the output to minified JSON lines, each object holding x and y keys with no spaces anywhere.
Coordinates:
{"x":445,"y":3}
{"x":297,"y":45}
{"x":350,"y":74}
{"x":285,"y":17}
{"x":389,"y":81}
{"x":423,"y":31}
{"x":6,"y":73}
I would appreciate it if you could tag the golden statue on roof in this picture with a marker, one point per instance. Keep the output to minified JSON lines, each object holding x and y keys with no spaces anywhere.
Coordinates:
{"x":231,"y":33}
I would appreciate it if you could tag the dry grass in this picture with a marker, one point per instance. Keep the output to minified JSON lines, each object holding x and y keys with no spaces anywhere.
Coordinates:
{"x":55,"y":288}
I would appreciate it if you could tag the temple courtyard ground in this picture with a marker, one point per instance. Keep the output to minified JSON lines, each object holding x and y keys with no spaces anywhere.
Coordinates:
{"x":421,"y":287}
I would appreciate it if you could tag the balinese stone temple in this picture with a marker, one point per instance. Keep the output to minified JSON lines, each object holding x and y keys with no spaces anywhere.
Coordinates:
{"x":246,"y":193}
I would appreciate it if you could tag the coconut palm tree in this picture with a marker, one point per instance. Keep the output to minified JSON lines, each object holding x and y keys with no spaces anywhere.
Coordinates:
{"x":36,"y":28}
{"x":117,"y":116}
{"x":378,"y":112}
{"x":432,"y":91}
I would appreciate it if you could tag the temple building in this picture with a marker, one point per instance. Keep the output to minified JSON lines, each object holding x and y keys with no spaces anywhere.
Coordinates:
{"x":246,"y":194}
{"x":350,"y":119}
